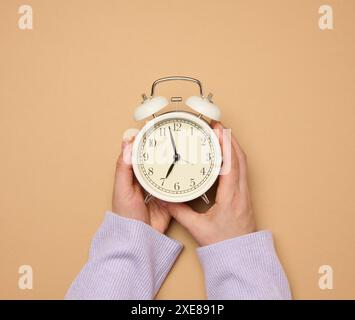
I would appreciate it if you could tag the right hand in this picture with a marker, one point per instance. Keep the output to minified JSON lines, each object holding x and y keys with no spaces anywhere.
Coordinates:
{"x":231,"y":215}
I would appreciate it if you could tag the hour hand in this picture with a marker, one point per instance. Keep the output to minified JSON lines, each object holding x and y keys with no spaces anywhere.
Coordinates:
{"x":170,"y":169}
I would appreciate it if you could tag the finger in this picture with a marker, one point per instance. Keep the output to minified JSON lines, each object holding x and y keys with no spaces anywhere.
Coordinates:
{"x":242,"y":164}
{"x":183,"y":214}
{"x":124,"y":173}
{"x":218,"y":130}
{"x":225,"y":140}
{"x":159,"y":215}
{"x":228,"y":180}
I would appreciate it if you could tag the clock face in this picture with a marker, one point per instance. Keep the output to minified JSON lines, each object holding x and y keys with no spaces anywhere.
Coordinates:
{"x":176,"y":157}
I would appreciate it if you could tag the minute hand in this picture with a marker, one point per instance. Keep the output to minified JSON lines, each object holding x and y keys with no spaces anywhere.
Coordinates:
{"x":172,"y":141}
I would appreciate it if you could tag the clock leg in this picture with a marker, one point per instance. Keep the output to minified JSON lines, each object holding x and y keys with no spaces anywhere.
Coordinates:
{"x":148,"y":197}
{"x":205,"y":198}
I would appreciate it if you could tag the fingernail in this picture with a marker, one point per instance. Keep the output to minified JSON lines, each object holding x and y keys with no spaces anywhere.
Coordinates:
{"x":127,"y":152}
{"x":124,"y":144}
{"x":129,"y":134}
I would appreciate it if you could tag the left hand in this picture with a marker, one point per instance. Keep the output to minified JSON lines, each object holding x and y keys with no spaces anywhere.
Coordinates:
{"x":128,"y":196}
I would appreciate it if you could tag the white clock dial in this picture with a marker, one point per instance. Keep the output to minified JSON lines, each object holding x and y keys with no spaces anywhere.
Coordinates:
{"x":176,"y":157}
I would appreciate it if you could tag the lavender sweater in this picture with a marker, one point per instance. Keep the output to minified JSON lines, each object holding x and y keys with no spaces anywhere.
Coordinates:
{"x":130,"y":260}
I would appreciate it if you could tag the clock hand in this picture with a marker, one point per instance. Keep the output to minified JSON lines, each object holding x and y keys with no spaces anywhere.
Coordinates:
{"x":176,"y":155}
{"x":176,"y":159}
{"x":183,"y":160}
{"x":170,"y":169}
{"x":173,"y":142}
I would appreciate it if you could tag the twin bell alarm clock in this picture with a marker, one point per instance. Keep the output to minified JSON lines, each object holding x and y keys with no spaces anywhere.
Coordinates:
{"x":176,"y":156}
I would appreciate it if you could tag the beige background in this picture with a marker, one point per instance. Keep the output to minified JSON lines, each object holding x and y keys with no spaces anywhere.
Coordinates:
{"x":68,"y":89}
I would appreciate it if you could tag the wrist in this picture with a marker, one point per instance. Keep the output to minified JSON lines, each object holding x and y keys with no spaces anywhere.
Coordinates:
{"x":229,"y":234}
{"x":129,"y":215}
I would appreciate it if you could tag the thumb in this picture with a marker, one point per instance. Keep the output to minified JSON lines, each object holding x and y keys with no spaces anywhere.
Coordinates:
{"x":183,"y":214}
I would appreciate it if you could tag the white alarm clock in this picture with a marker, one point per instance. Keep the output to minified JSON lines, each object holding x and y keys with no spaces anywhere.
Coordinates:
{"x":176,"y":156}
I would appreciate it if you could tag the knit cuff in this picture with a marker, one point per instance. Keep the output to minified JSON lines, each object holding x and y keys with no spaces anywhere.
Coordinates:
{"x":136,"y":233}
{"x":128,"y":260}
{"x":244,"y":267}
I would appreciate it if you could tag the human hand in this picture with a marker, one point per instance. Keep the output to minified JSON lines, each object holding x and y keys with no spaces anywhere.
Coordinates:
{"x":232,"y":214}
{"x":128,"y":196}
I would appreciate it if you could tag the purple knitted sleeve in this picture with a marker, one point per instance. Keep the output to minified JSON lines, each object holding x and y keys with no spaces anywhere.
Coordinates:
{"x":128,"y":260}
{"x":244,"y":267}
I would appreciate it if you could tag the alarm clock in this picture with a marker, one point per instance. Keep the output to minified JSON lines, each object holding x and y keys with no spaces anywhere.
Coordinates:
{"x":176,"y":156}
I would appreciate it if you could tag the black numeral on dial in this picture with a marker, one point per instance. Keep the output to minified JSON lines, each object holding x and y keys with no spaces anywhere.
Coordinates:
{"x":152,"y":143}
{"x":162,"y":132}
{"x":177,"y":126}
